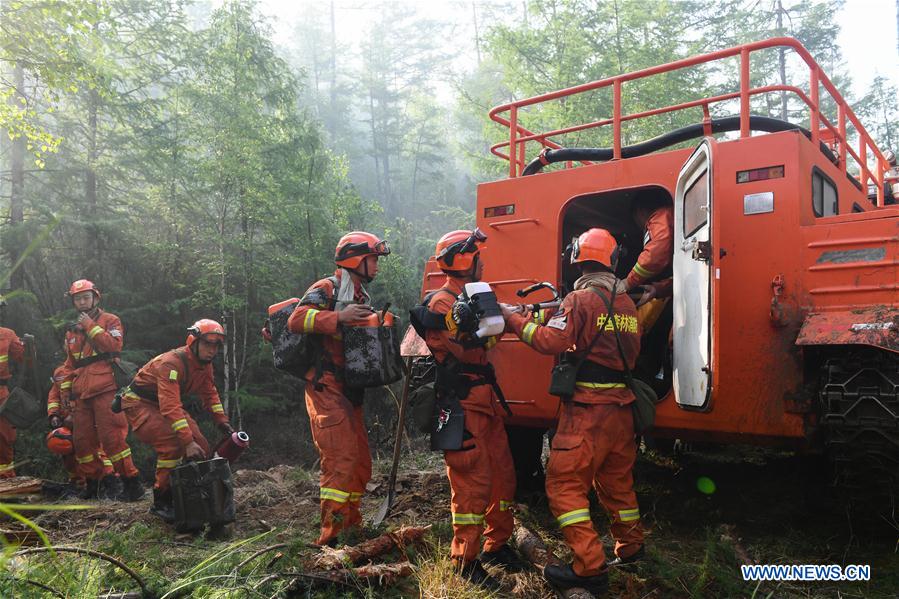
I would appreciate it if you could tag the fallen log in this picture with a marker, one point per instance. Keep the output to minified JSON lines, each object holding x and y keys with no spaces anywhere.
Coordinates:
{"x":331,"y":559}
{"x":20,"y":536}
{"x":20,"y":485}
{"x":378,"y":574}
{"x":532,"y":547}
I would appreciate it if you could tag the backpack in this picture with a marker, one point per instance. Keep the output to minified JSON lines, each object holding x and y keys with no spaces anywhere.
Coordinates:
{"x":293,"y":353}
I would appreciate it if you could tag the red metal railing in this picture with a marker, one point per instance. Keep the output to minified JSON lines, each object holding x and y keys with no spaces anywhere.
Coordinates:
{"x":519,"y":136}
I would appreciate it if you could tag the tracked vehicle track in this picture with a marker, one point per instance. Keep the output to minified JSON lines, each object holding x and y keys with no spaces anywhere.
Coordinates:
{"x":860,"y":418}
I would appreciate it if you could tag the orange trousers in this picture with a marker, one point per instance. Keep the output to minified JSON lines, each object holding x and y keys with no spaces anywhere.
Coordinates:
{"x":96,"y":424}
{"x":338,"y":430}
{"x":7,"y":442}
{"x":75,"y":476}
{"x":594,"y":446}
{"x":154,"y":429}
{"x":482,"y":481}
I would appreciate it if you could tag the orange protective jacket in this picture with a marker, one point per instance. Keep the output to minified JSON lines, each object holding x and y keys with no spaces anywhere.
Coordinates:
{"x":444,"y":343}
{"x":580,"y":318}
{"x":315,"y":314}
{"x":60,"y":393}
{"x":11,"y":348}
{"x":92,"y":337}
{"x":163,"y":381}
{"x":654,"y":261}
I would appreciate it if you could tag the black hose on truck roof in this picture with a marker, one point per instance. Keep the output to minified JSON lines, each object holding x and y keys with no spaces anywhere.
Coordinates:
{"x":718,"y":125}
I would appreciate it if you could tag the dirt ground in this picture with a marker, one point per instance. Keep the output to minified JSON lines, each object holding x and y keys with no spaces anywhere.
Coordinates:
{"x":767,"y":508}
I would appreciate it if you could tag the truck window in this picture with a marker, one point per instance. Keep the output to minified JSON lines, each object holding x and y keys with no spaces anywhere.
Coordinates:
{"x":824,"y":195}
{"x":696,"y":205}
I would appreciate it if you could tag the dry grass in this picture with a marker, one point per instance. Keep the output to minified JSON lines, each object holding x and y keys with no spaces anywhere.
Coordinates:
{"x":764,"y":511}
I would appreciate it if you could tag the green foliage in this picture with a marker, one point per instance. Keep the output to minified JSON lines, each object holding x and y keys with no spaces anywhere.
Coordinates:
{"x":564,"y":43}
{"x":46,"y":38}
{"x":879,"y":112}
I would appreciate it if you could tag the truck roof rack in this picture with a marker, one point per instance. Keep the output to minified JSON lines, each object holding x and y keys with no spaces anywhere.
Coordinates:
{"x":821,"y":129}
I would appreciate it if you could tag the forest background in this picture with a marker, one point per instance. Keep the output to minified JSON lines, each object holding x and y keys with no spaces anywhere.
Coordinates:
{"x":189,"y":165}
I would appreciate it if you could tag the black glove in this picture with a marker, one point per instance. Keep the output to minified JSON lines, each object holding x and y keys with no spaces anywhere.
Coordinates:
{"x":55,"y":421}
{"x":226,"y":428}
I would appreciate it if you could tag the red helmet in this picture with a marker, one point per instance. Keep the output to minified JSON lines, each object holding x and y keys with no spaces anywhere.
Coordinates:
{"x":354,"y":247}
{"x":595,"y":245}
{"x":456,"y":251}
{"x":59,"y":441}
{"x":206,"y":329}
{"x":82,"y":285}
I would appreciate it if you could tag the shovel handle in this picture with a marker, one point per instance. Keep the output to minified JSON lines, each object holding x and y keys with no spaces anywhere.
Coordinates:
{"x":400,"y":425}
{"x":32,"y":359}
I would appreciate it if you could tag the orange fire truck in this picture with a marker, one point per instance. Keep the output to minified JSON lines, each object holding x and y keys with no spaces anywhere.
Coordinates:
{"x":785,"y":311}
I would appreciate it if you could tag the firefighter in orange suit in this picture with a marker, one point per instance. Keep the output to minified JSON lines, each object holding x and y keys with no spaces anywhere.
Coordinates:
{"x":652,"y":270}
{"x":91,"y":345}
{"x":594,"y":440}
{"x":11,"y":348}
{"x":335,"y":413}
{"x":154,"y":408}
{"x":59,"y":416}
{"x":653,"y":273}
{"x":481,"y":473}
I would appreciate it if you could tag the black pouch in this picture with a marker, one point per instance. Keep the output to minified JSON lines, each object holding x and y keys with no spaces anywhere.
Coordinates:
{"x":563,"y":380}
{"x":116,"y":405}
{"x":644,"y":406}
{"x":448,"y":424}
{"x":202,"y":493}
{"x":123,"y":372}
{"x":355,"y":396}
{"x":448,"y":430}
{"x":423,"y":405}
{"x":21,"y":408}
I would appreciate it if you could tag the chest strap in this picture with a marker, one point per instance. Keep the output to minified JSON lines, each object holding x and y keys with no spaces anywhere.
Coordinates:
{"x":107,"y":355}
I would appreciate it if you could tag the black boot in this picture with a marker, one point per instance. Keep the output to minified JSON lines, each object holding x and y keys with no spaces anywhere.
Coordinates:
{"x":563,"y":577}
{"x":111,"y":487}
{"x":163,"y":505}
{"x":504,"y":557}
{"x":219,"y":531}
{"x":91,"y":489}
{"x":60,"y":490}
{"x":618,"y":562}
{"x":475,"y":573}
{"x":133,"y":490}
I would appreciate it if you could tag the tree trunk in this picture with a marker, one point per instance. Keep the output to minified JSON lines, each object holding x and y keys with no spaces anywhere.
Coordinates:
{"x":421,"y":134}
{"x":618,"y":40}
{"x":332,"y":113}
{"x":537,"y":553}
{"x":372,"y":574}
{"x":226,"y":393}
{"x":307,"y":200}
{"x":374,"y":137}
{"x":782,"y":60}
{"x":90,"y":186}
{"x":17,"y":180}
{"x":388,"y":191}
{"x":477,"y":38}
{"x":331,"y":559}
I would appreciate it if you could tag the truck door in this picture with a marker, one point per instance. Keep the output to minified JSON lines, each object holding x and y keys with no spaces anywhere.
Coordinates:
{"x":692,"y":279}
